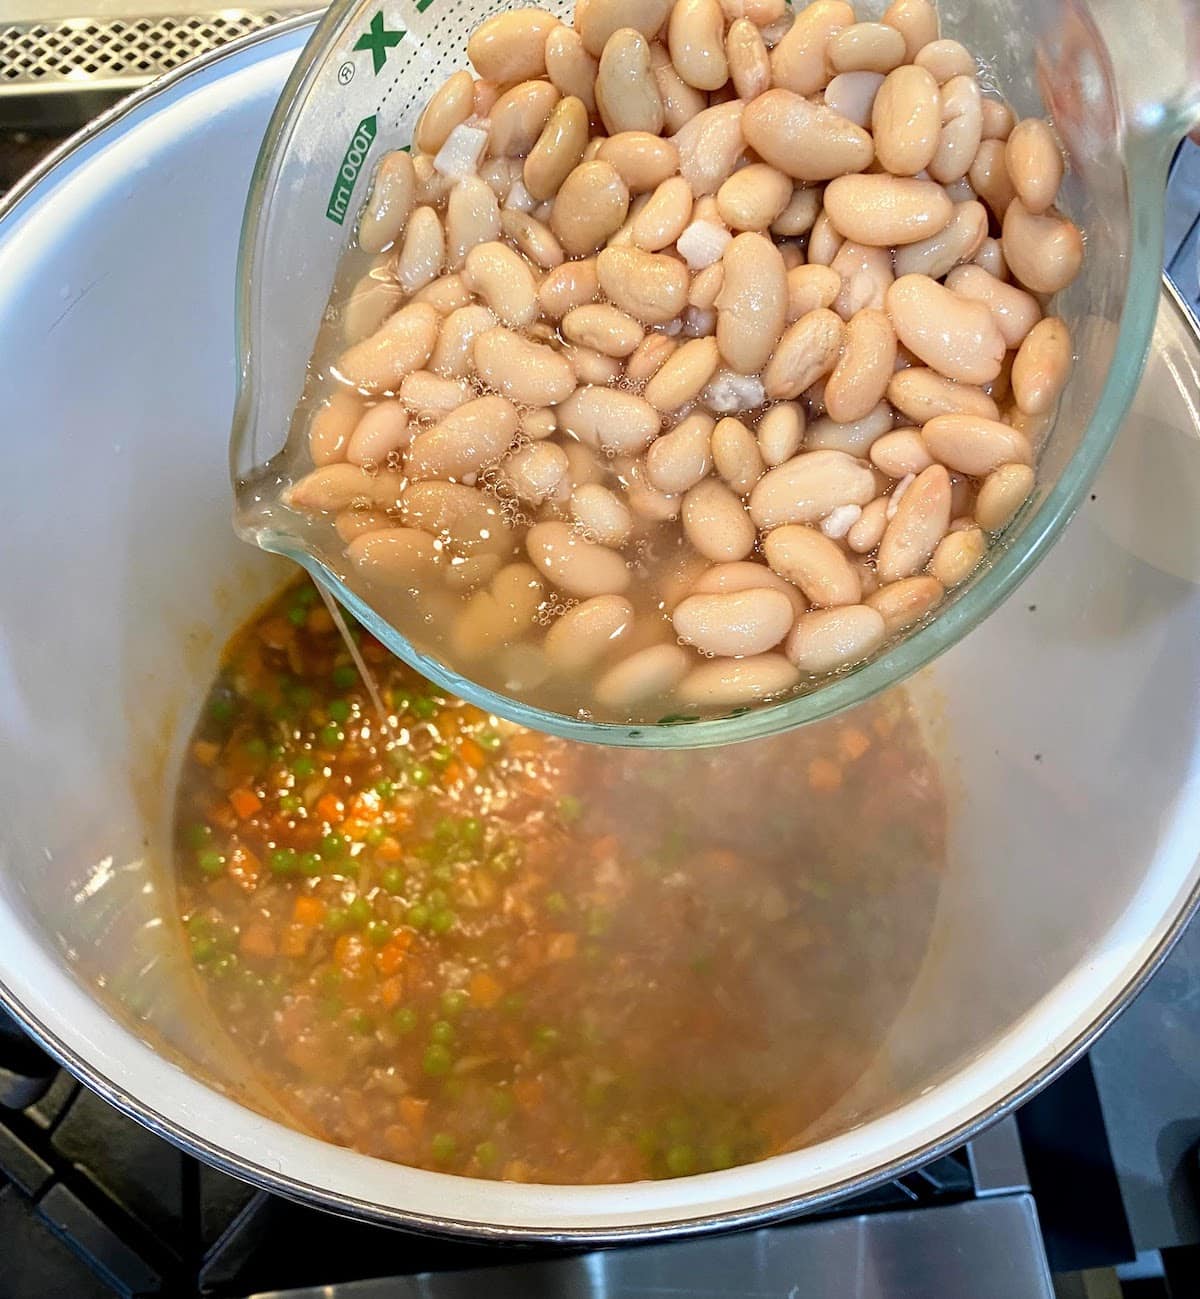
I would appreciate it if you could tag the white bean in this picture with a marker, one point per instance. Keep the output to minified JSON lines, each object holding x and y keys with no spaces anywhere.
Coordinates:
{"x":602,"y":514}
{"x":827,"y":640}
{"x":716,"y":522}
{"x":573,"y":564}
{"x":466,"y":441}
{"x":729,"y":683}
{"x":648,"y":674}
{"x":524,"y":371}
{"x":734,"y":624}
{"x":808,"y":487}
{"x":680,"y":458}
{"x":752,"y":304}
{"x":609,"y":418}
{"x":736,"y":455}
{"x":589,"y":632}
{"x":904,"y":603}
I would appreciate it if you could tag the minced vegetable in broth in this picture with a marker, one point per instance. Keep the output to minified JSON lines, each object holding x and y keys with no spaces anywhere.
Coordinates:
{"x":470,"y":947}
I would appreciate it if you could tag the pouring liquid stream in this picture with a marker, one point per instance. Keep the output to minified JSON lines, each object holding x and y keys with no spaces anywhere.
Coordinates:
{"x":368,"y":677}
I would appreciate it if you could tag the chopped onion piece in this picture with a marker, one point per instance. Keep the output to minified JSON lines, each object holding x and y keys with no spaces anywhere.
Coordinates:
{"x":702,"y":243}
{"x":461,"y":153}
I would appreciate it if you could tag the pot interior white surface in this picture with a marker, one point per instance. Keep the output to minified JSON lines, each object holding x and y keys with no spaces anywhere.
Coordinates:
{"x":1070,"y":723}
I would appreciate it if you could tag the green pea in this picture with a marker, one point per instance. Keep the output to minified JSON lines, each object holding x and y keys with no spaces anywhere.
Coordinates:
{"x":392,"y":880}
{"x":570,"y":808}
{"x":442,"y":874}
{"x":721,"y":1155}
{"x":306,"y":595}
{"x":454,"y":1002}
{"x":375,"y":835}
{"x":339,"y":710}
{"x":276,"y":751}
{"x":442,"y":921}
{"x":442,"y":1032}
{"x":198,"y":835}
{"x":503,"y":860}
{"x":442,"y":1147}
{"x":385,"y":788}
{"x":435,"y":899}
{"x":303,"y":767}
{"x":437,"y":1061}
{"x":378,"y":932}
{"x":446,"y":830}
{"x":502,"y":1102}
{"x":221,"y":709}
{"x":331,"y":736}
{"x":470,"y":828}
{"x":203,"y":950}
{"x":424,"y":707}
{"x":556,"y":903}
{"x":598,"y":921}
{"x":400,"y":700}
{"x":440,"y":755}
{"x":420,"y":775}
{"x":545,"y":1037}
{"x":404,"y":1019}
{"x":330,"y":979}
{"x":302,"y":697}
{"x":512,"y":1003}
{"x":488,"y":740}
{"x":344,"y":676}
{"x":359,"y":910}
{"x":336,"y":919}
{"x":224,"y":965}
{"x":417,"y":916}
{"x":290,"y":802}
{"x":334,"y":845}
{"x":297,"y":616}
{"x":311,"y":863}
{"x":359,"y":1022}
{"x":256,"y":749}
{"x":680,"y":1160}
{"x":486,"y":1153}
{"x":283,"y":861}
{"x":211,"y":862}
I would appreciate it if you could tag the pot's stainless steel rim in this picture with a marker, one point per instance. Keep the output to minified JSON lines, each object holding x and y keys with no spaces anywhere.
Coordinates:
{"x":307,"y":1193}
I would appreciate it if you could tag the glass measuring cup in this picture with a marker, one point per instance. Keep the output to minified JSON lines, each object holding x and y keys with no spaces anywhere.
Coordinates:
{"x":1121,"y":88}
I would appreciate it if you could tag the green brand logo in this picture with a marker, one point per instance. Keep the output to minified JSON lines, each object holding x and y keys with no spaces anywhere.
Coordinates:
{"x":352,"y":164}
{"x":379,"y":39}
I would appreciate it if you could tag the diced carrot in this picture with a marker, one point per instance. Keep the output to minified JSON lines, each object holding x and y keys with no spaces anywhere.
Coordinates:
{"x":529,"y":1092}
{"x":401,"y":818}
{"x":223,"y":816}
{"x":348,"y":952}
{"x":516,"y":1170}
{"x":318,"y":620}
{"x":276,"y":633}
{"x":391,"y":955}
{"x":295,"y":940}
{"x":608,"y":845}
{"x":471,"y":753}
{"x":389,"y":849}
{"x":400,"y":1143}
{"x":330,"y":808}
{"x":257,"y":939}
{"x":561,"y":947}
{"x":245,"y":802}
{"x":824,"y":775}
{"x":205,"y":752}
{"x":485,"y":989}
{"x":390,"y":992}
{"x":412,"y":1110}
{"x":307,"y":910}
{"x":454,"y":772}
{"x":244,"y":867}
{"x":853,"y":743}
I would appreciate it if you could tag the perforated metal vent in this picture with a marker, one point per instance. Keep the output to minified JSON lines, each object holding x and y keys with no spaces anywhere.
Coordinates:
{"x":113,"y":53}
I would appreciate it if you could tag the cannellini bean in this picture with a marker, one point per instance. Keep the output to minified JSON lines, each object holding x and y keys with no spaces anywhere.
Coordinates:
{"x":1041,"y":365}
{"x":331,"y":427}
{"x":504,"y":280}
{"x":748,"y":59}
{"x":866,"y":275}
{"x":748,"y":575}
{"x":356,"y":523}
{"x":1034,"y":163}
{"x":590,"y":206}
{"x":958,"y":241}
{"x":905,"y":603}
{"x":511,"y":46}
{"x":991,"y":257}
{"x":864,"y":368}
{"x":780,"y":432}
{"x":649,"y":673}
{"x":394,"y":556}
{"x":916,"y":21}
{"x":587,"y":633}
{"x":665,"y":217}
{"x":856,"y":437}
{"x":627,"y":94}
{"x":454,"y":511}
{"x":519,"y":118}
{"x":865,"y":533}
{"x":432,"y":185}
{"x":866,"y":47}
{"x":466,"y":441}
{"x":957,"y":556}
{"x":569,"y":66}
{"x":680,"y":458}
{"x":1001,"y":495}
{"x":752,"y":304}
{"x":885,"y":210}
{"x":906,"y":120}
{"x":559,"y":148}
{"x":382,"y":431}
{"x":337,"y":487}
{"x":683,"y":376}
{"x":736,"y":455}
{"x":499,"y":615}
{"x":451,"y":104}
{"x":900,"y":453}
{"x":374,"y":298}
{"x":537,"y":472}
{"x":643,"y":161}
{"x":602,"y":514}
{"x":524,"y":371}
{"x":1043,"y":251}
{"x":706,"y":287}
{"x":975,"y":446}
{"x":806,"y":141}
{"x":962,"y":129}
{"x":800,"y":214}
{"x":809,"y":560}
{"x":648,"y":358}
{"x":800,"y":61}
{"x":729,"y":683}
{"x":807,"y":351}
{"x":955,"y":336}
{"x":538,"y":424}
{"x":472,"y":218}
{"x":716,"y":522}
{"x":423,"y":253}
{"x":826,"y":640}
{"x":451,"y":357}
{"x":1014,"y":311}
{"x":592,"y":367}
{"x":753,"y":197}
{"x":921,"y":520}
{"x":604,"y":328}
{"x":989,"y":177}
{"x":534,"y":240}
{"x":734,"y":624}
{"x":386,"y":212}
{"x":998,"y":119}
{"x":597,"y":20}
{"x":920,"y":394}
{"x":645,"y":501}
{"x":709,"y":146}
{"x":946,"y":59}
{"x":609,"y":418}
{"x":808,"y":487}
{"x":402,"y":344}
{"x":568,"y":286}
{"x":811,"y":288}
{"x":696,"y":41}
{"x":447,"y":293}
{"x":573,"y":564}
{"x":824,"y":241}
